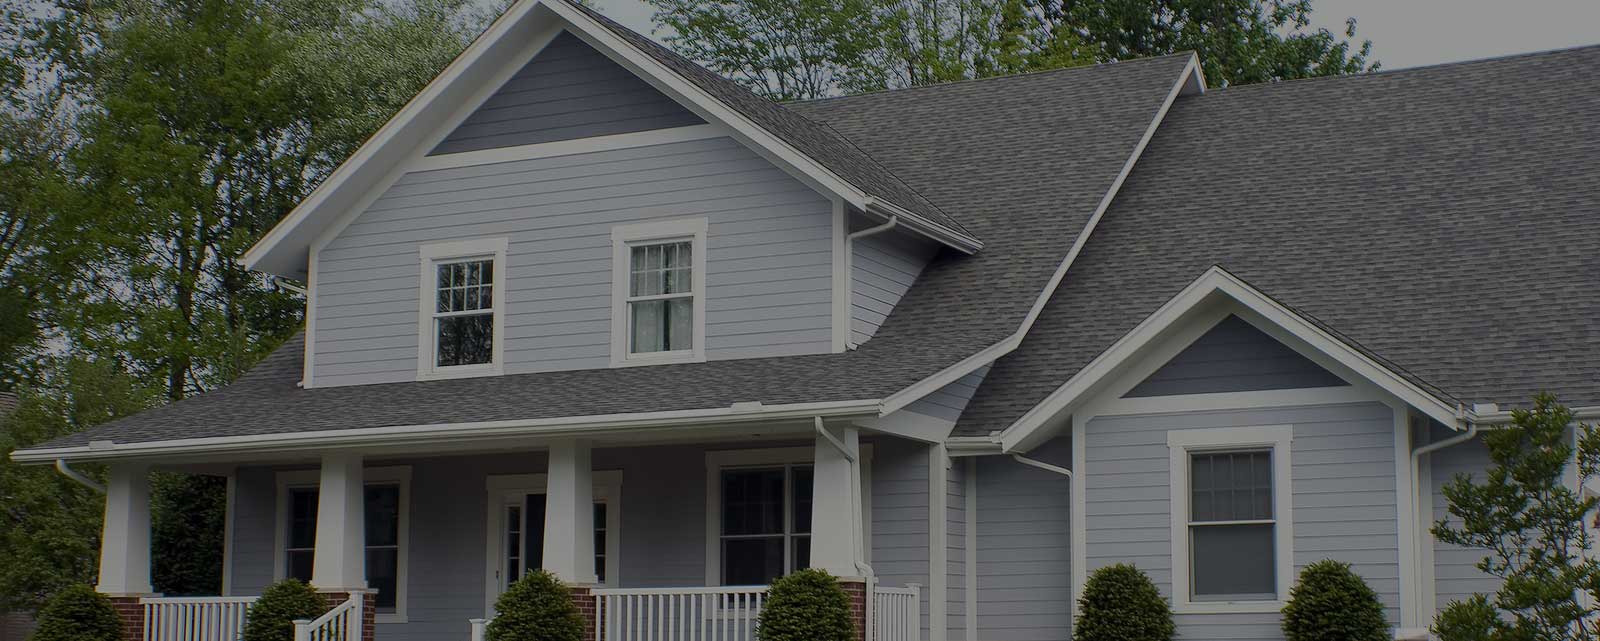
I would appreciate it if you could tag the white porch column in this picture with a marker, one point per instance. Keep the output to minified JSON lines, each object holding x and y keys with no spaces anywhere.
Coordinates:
{"x":569,"y":514}
{"x":836,"y":535}
{"x":340,"y":560}
{"x":125,"y":541}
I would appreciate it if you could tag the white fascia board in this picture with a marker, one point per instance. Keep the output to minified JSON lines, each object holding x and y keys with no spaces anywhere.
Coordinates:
{"x":953,"y":373}
{"x":453,"y":433}
{"x":1024,"y":433}
{"x":394,"y":141}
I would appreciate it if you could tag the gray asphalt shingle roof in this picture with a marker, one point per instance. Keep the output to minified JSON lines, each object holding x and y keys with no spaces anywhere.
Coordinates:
{"x":1445,"y":220}
{"x":959,"y":144}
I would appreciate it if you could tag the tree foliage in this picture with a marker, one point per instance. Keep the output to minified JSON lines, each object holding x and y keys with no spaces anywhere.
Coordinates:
{"x":1530,"y":519}
{"x":78,"y":613}
{"x":808,"y":605}
{"x":815,"y":48}
{"x":1332,"y":603}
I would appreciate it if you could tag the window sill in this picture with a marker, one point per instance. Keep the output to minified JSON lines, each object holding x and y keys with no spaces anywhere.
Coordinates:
{"x":659,"y":358}
{"x":459,"y":371}
{"x":1229,"y":607}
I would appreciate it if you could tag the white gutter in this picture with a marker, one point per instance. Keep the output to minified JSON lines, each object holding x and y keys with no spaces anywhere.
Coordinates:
{"x":452,"y":433}
{"x":855,"y":504}
{"x":284,"y":283}
{"x":67,"y":471}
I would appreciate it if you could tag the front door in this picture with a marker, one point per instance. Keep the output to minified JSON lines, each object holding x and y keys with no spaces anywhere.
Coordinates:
{"x":516,"y":527}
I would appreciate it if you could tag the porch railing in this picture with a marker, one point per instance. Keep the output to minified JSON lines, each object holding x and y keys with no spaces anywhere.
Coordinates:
{"x":678,"y":614}
{"x":897,"y":614}
{"x":195,"y":618}
{"x":342,"y":623}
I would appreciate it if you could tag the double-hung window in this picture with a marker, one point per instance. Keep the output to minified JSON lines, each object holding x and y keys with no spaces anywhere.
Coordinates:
{"x":658,"y":312}
{"x":385,"y":524}
{"x":1231,"y":524}
{"x":766,"y":523}
{"x":462,"y":308}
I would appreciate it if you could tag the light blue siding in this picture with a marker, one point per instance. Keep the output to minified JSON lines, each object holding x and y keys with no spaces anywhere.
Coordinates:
{"x":884,"y":265}
{"x":568,"y":91}
{"x":1343,"y":488}
{"x":769,"y":261}
{"x":956,"y":541}
{"x":1234,"y":357}
{"x":949,"y":401}
{"x":663,"y":525}
{"x":1456,"y":576}
{"x":1024,"y":547}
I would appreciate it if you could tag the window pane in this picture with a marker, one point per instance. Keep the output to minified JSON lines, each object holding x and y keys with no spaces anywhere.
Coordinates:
{"x":513,"y":544}
{"x":383,"y":515}
{"x":680,"y":325}
{"x":466,"y":340}
{"x":802,"y":553}
{"x":1230,"y":486}
{"x":302,"y":518}
{"x":802,"y":486}
{"x":299,"y":565}
{"x":534,"y":534}
{"x":752,"y":503}
{"x":1233,"y":562}
{"x":382,"y":572}
{"x":600,"y":541}
{"x":752,"y":561}
{"x":648,"y":333}
{"x":661,"y":269}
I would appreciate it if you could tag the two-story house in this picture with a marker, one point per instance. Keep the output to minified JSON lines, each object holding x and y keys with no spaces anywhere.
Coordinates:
{"x":585,"y":306}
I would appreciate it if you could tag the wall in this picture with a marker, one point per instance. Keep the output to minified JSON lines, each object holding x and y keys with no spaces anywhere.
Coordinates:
{"x":947,"y":403}
{"x":1456,"y":576}
{"x":769,"y":289}
{"x":663,"y":524}
{"x":1343,"y":484}
{"x":569,"y":90}
{"x":1024,"y":547}
{"x":884,"y":267}
{"x":1234,"y":356}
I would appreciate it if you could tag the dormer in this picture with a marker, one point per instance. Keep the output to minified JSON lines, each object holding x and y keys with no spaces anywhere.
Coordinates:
{"x":565,"y":196}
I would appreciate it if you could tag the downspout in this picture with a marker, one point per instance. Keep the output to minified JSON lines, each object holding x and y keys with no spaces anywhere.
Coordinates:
{"x":1416,"y":482}
{"x":850,"y":254}
{"x":67,"y":471}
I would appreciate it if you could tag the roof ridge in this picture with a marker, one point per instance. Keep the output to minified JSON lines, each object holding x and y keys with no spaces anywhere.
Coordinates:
{"x":1009,"y":76}
{"x":1419,"y":69}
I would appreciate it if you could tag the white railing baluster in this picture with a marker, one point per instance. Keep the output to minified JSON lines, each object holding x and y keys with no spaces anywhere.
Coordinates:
{"x":195,"y":618}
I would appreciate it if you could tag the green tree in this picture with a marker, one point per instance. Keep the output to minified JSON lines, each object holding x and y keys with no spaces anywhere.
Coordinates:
{"x":1532,"y":523}
{"x":50,"y":525}
{"x":816,"y":48}
{"x":188,"y":515}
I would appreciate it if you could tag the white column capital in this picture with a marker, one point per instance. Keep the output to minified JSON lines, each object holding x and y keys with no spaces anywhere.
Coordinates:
{"x":125,"y":539}
{"x":340,"y":560}
{"x":569,"y":513}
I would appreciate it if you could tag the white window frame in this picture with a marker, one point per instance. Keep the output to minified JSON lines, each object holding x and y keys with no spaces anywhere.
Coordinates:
{"x":717,"y":461}
{"x":431,"y":256}
{"x":1181,"y":444}
{"x":393,"y":475}
{"x":623,"y":238}
{"x":505,"y":490}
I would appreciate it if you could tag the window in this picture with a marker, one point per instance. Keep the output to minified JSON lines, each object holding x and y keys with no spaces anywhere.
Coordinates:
{"x":766,"y":523}
{"x":1231,"y":524}
{"x":462,"y":308}
{"x":658,"y":314}
{"x":386,"y":517}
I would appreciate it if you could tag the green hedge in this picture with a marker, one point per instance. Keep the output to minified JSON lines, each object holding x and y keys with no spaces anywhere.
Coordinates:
{"x":538,"y":607}
{"x":1332,"y":603}
{"x":808,"y":605}
{"x":271,"y":617}
{"x":1120,"y":603}
{"x":78,"y":613}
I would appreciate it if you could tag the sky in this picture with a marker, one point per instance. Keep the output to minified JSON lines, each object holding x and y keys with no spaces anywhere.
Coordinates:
{"x":1404,"y":33}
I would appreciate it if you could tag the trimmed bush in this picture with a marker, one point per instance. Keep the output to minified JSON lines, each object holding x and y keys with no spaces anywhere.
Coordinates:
{"x":272,"y":617}
{"x":808,"y":605}
{"x":1332,"y":603}
{"x":78,"y":613}
{"x":1120,"y":603}
{"x":1471,"y":620}
{"x":538,"y":607}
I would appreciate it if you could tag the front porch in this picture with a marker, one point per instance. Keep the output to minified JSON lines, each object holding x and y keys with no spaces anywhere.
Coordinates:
{"x":662,"y":541}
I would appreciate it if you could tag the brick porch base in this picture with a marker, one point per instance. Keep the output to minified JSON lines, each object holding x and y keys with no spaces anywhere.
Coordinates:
{"x":369,"y":609}
{"x":131,"y":612}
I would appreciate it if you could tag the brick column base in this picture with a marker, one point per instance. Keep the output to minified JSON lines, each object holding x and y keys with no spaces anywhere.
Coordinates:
{"x":369,"y":609}
{"x":857,"y":590}
{"x":131,"y":612}
{"x":587,"y":604}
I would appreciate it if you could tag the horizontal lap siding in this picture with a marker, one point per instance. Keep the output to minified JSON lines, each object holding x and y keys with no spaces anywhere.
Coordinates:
{"x":949,"y":401}
{"x":900,"y":515}
{"x":1456,"y":576}
{"x":568,"y":91}
{"x":768,"y":257}
{"x":1343,"y":485}
{"x":955,"y":533}
{"x":1234,"y":356}
{"x":884,"y":265}
{"x":1024,"y":547}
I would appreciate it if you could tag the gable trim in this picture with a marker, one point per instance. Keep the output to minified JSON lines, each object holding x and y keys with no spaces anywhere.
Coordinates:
{"x":571,"y":147}
{"x":1030,"y":428}
{"x":1188,"y":81}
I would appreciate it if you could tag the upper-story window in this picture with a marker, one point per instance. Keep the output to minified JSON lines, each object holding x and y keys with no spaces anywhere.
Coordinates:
{"x":462,"y":308}
{"x":658,"y":311}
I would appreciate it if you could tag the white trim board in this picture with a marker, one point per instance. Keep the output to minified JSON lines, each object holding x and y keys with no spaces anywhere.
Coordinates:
{"x":623,"y":238}
{"x":595,"y":144}
{"x":430,"y":257}
{"x":1034,"y":426}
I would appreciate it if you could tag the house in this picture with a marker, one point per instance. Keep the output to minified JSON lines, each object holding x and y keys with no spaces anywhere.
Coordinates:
{"x":586,"y":306}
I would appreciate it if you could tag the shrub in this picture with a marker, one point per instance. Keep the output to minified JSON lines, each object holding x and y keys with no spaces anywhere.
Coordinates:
{"x":808,"y":605}
{"x":78,"y":613}
{"x":536,"y":608}
{"x":272,"y":616}
{"x":1471,"y":620}
{"x":1332,"y":603}
{"x":1120,"y":603}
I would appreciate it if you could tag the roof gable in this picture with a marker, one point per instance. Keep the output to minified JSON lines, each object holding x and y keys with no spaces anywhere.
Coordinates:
{"x":812,"y":152}
{"x":1234,"y":356}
